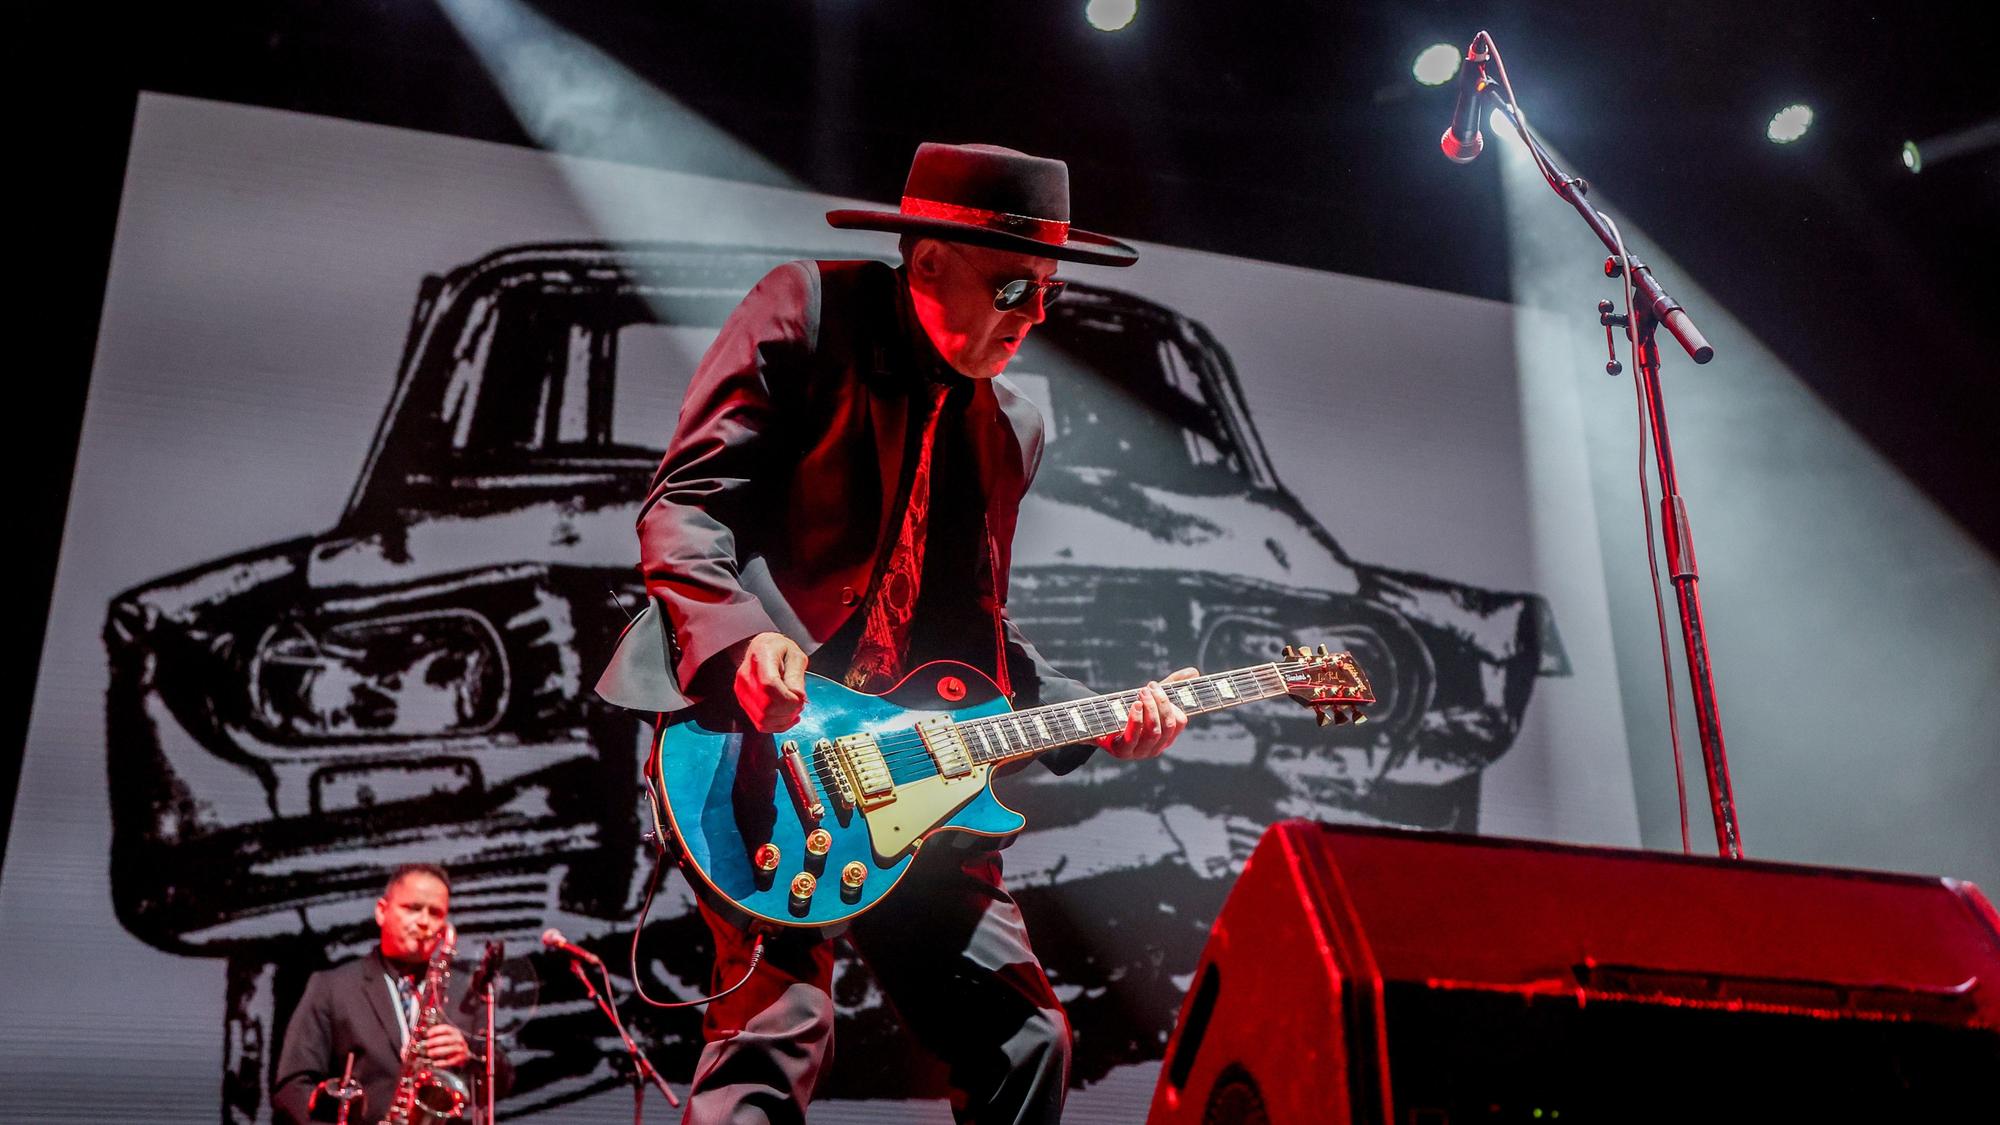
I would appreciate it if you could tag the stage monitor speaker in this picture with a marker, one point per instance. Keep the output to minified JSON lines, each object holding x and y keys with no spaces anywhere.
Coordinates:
{"x":1379,"y":976}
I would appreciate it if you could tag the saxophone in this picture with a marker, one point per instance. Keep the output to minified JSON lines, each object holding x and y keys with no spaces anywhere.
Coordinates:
{"x":426,"y":1095}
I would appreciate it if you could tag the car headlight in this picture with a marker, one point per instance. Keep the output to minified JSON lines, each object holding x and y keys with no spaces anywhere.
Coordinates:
{"x":415,"y":675}
{"x":1388,"y":650}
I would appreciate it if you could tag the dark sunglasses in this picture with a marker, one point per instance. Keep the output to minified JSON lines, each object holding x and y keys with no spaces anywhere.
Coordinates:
{"x":1016,"y":293}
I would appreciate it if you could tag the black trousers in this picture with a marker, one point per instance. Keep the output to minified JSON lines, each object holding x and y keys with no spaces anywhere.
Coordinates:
{"x":950,"y":951}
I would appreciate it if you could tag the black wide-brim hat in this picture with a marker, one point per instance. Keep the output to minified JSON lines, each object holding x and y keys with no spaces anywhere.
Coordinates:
{"x":990,"y":196}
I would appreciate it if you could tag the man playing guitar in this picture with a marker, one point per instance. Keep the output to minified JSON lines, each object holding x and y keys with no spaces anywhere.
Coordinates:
{"x":841,"y":493}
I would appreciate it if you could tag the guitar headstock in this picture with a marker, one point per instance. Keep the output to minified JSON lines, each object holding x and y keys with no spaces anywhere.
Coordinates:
{"x":1330,"y":683}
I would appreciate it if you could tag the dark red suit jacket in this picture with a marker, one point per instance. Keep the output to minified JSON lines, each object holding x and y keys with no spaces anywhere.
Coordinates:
{"x":772,"y":505}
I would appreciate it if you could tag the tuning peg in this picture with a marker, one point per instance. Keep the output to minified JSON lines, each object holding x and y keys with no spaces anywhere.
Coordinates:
{"x":1359,"y":718}
{"x":1290,"y":653}
{"x":1322,"y":715}
{"x":1323,"y":653}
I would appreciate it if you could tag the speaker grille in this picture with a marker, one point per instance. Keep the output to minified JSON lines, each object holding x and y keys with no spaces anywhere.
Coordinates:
{"x":1235,"y":1100}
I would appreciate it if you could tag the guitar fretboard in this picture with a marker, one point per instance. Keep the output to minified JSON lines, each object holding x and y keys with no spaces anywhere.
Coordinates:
{"x":1021,"y":734}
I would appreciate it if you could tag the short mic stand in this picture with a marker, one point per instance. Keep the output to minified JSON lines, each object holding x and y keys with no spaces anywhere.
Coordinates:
{"x":345,"y":1091}
{"x":492,"y":1047}
{"x":1655,"y":308}
{"x":642,"y":1067}
{"x":481,"y":990}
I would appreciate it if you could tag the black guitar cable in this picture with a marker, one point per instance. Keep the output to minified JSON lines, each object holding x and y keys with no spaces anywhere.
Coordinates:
{"x":662,"y":852}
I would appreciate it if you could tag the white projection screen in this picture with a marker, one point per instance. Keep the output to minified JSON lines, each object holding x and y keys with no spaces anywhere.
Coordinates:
{"x":317,"y":438}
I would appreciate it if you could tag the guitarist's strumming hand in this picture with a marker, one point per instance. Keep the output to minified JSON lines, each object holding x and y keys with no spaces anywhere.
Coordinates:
{"x":770,"y":680}
{"x":1152,"y":724}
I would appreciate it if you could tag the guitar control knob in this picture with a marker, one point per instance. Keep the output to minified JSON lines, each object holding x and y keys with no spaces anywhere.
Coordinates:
{"x":803,"y":885}
{"x":766,"y":859}
{"x":819,"y":842}
{"x":853,"y":875}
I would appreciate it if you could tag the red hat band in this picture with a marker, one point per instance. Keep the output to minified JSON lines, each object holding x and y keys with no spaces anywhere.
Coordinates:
{"x":1051,"y":231}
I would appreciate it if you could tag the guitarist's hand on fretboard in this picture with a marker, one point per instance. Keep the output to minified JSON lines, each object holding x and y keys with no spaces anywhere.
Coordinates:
{"x":1152,"y":724}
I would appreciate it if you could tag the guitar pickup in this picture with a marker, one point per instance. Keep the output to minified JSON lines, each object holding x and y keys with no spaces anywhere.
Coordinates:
{"x":867,"y":770}
{"x":946,"y":745}
{"x":793,"y":765}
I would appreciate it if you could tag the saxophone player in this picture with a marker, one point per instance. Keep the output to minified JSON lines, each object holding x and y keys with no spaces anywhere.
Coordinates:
{"x":367,"y":1006}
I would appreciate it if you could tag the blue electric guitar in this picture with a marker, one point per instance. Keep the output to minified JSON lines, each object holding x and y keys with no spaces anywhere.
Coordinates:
{"x":811,"y":827}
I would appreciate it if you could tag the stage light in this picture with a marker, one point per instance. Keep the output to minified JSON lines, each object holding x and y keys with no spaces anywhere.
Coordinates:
{"x":1110,"y":15}
{"x":574,"y":98}
{"x":1500,"y":127}
{"x":1790,"y":123}
{"x":1437,"y":64}
{"x":1933,"y":151}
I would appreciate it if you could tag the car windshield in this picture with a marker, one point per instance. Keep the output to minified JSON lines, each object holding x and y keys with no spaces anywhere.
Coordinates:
{"x":536,"y":369}
{"x":659,"y":360}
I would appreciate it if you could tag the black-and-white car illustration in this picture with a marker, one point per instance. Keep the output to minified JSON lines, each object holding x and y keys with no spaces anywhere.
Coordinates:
{"x":415,"y":681}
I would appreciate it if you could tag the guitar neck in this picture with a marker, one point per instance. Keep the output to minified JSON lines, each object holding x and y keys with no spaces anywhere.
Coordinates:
{"x":1024,"y":734}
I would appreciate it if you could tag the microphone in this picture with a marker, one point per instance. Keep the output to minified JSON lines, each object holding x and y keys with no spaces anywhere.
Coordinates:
{"x":1462,"y":142}
{"x":489,"y":964}
{"x":553,"y":938}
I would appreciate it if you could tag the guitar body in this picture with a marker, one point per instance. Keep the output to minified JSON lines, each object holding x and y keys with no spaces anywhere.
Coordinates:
{"x":810,"y":827}
{"x":729,"y":795}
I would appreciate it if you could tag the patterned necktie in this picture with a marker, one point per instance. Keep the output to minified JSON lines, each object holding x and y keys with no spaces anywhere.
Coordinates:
{"x":885,"y":631}
{"x":406,"y":987}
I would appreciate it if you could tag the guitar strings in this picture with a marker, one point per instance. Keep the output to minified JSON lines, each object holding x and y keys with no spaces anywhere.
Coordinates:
{"x":906,"y":746}
{"x":1098,"y":711}
{"x":906,"y":757}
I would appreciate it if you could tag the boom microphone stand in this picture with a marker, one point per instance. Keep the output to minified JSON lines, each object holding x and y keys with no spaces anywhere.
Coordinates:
{"x":1654,"y":308}
{"x":642,"y":1067}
